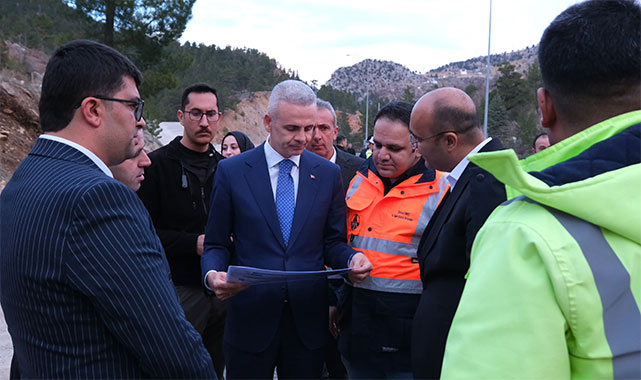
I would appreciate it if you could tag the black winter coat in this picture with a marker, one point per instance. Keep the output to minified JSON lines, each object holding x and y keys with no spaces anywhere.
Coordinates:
{"x":178,"y":204}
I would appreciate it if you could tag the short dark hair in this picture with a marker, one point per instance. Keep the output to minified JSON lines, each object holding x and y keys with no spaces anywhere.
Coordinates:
{"x":592,"y":51}
{"x":396,"y":110}
{"x":198,"y":88}
{"x":340,"y":138}
{"x":537,"y":137}
{"x":79,"y":69}
{"x":456,"y":119}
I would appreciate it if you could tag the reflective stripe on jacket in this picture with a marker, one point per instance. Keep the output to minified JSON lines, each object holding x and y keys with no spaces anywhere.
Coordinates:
{"x":388,"y":228}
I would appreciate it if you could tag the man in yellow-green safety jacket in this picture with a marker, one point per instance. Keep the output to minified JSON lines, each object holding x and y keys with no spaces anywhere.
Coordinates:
{"x":554,"y":286}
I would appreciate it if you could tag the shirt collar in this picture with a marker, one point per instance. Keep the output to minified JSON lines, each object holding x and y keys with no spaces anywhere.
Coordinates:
{"x":455,"y":174}
{"x":274,"y":158}
{"x":82,"y":149}
{"x":333,"y":158}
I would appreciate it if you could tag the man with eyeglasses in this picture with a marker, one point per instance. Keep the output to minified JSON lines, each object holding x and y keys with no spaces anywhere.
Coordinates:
{"x":389,"y":203}
{"x":176,"y":193}
{"x":444,"y":127}
{"x":85,"y":285}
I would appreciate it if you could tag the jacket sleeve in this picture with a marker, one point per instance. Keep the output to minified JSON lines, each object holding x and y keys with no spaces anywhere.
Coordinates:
{"x":508,"y":323}
{"x":116,"y":261}
{"x":337,"y":252}
{"x":175,"y":242}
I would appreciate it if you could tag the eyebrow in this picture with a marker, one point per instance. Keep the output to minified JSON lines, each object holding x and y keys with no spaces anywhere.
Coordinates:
{"x":392,"y":146}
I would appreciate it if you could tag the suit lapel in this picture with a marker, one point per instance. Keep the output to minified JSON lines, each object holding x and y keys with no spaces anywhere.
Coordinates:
{"x":308,"y":183}
{"x":257,"y":177}
{"x":433,"y":230}
{"x":443,"y":214}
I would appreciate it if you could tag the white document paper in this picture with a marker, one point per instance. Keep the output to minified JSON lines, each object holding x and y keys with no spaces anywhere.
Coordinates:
{"x":254,"y":276}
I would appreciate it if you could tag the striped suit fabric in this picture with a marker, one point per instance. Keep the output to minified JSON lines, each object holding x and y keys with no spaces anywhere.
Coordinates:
{"x":84,"y":283}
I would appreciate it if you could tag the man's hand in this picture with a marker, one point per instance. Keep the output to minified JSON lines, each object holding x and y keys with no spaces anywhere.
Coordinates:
{"x":359,"y":268}
{"x":222,"y":288}
{"x":333,"y":321}
{"x":200,"y":244}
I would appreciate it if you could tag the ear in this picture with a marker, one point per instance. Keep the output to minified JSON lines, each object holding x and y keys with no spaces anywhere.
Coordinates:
{"x":335,"y":134}
{"x":92,"y":111}
{"x":548,"y":112}
{"x":450,"y":140}
{"x":267,"y":121}
{"x":180,"y":115}
{"x":417,"y":153}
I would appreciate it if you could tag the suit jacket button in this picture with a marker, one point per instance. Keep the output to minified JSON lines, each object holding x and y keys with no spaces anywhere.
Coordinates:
{"x":480,"y":177}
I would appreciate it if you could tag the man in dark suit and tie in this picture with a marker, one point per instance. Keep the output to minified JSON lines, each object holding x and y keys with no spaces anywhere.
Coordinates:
{"x":444,"y":127}
{"x":85,"y":286}
{"x":325,"y":132}
{"x":284,"y":209}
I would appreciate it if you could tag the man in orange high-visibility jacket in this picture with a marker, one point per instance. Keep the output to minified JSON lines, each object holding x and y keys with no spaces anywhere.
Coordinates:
{"x":389,"y":203}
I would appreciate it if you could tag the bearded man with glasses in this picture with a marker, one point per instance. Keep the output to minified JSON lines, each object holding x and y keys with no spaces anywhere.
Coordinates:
{"x":176,"y":193}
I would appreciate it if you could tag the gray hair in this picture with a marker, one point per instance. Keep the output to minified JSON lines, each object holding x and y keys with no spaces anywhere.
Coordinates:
{"x":324,"y":104}
{"x":292,"y":92}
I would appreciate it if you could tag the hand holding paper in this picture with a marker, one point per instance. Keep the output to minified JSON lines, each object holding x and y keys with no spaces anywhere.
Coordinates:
{"x":359,"y":267}
{"x":222,"y":288}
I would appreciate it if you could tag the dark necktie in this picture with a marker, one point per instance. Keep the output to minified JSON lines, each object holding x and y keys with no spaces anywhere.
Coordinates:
{"x":285,"y":202}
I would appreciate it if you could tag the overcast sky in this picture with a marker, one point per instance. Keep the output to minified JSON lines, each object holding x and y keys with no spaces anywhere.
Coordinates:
{"x":317,"y":37}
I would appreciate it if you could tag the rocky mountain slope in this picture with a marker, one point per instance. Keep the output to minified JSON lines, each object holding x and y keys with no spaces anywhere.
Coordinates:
{"x":389,"y":79}
{"x":19,"y":94}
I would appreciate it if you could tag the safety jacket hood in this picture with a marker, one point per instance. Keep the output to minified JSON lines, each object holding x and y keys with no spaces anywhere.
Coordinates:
{"x":580,"y":175}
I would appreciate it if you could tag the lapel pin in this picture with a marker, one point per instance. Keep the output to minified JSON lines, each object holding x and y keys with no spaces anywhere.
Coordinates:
{"x":312,"y":176}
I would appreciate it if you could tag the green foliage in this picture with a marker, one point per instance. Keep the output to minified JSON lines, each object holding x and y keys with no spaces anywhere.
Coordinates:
{"x":343,"y":124}
{"x":42,"y":24}
{"x":408,"y":95}
{"x":340,"y":100}
{"x":471,"y":90}
{"x":231,"y":71}
{"x":497,"y":118}
{"x":512,"y":88}
{"x":161,"y":21}
{"x":512,"y":113}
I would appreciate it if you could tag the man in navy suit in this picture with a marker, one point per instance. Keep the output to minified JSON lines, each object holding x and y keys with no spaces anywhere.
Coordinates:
{"x":280,"y":325}
{"x":85,"y":285}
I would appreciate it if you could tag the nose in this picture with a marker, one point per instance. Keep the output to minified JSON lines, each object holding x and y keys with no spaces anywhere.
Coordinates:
{"x":316,"y":135}
{"x":383,"y":153}
{"x":301,"y":135}
{"x":142,"y":124}
{"x":204,"y":122}
{"x":144,"y":160}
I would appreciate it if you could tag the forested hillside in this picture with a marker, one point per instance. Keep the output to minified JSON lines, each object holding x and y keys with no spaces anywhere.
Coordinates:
{"x":148,"y":31}
{"x":133,"y":28}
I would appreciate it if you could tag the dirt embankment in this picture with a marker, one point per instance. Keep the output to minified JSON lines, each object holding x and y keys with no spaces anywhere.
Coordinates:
{"x":19,"y":123}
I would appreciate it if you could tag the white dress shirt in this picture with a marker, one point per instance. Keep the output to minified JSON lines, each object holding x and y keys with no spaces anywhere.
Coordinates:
{"x":82,"y":149}
{"x":455,"y":174}
{"x":333,"y":158}
{"x":273,"y":164}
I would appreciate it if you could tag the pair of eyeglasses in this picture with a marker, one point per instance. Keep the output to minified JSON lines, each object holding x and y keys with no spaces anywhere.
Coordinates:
{"x":197,"y":115}
{"x":140,"y":104}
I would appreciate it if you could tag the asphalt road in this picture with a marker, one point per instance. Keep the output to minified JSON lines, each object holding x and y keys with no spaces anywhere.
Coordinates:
{"x":6,"y":348}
